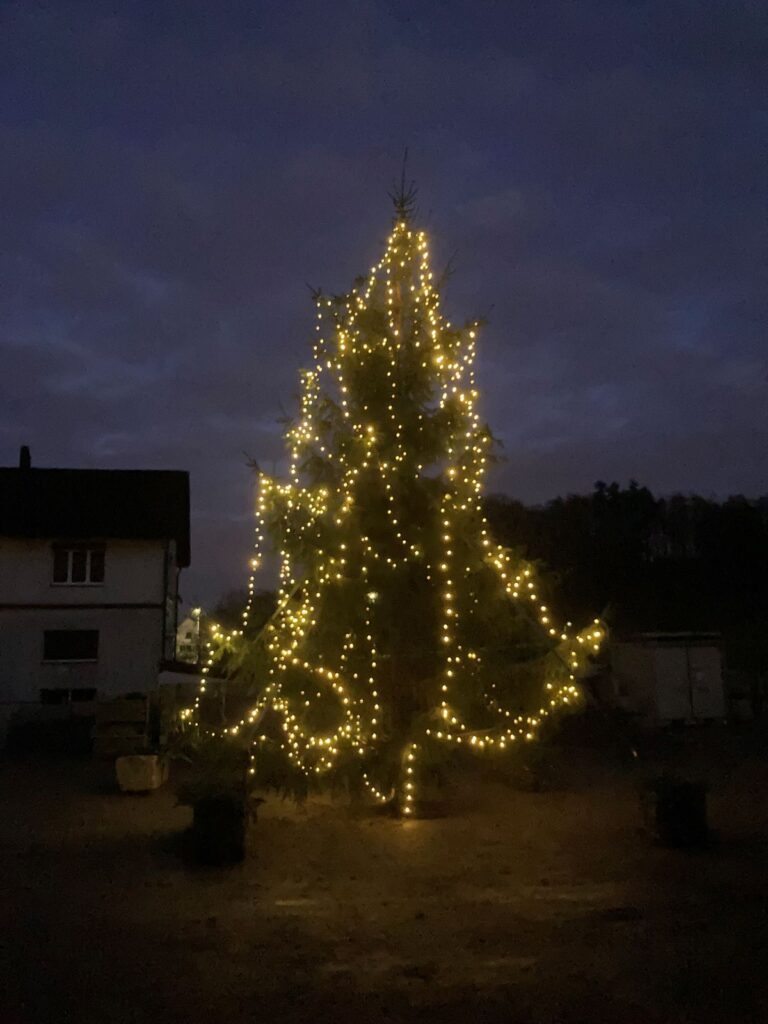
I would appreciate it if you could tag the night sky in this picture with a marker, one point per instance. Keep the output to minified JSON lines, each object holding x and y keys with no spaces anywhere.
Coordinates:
{"x":173,"y":175}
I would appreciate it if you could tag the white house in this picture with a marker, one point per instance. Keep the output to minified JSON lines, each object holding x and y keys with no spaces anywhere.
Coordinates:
{"x":188,"y":638}
{"x":89,"y":568}
{"x":669,"y":677}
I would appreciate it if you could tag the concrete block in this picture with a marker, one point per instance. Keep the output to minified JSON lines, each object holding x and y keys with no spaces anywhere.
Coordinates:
{"x":139,"y":773}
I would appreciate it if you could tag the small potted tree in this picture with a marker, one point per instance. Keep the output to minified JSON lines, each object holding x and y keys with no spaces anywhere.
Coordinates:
{"x":676,"y":811}
{"x":218,"y":776}
{"x":215,"y":785}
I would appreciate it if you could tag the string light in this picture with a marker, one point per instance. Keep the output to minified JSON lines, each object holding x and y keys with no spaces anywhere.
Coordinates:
{"x":379,"y":394}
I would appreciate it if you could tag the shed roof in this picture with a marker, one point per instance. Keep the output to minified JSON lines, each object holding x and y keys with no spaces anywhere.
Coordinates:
{"x":681,"y":639}
{"x":86,"y":504}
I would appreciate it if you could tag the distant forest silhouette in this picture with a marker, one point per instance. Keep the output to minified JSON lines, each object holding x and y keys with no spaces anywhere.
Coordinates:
{"x":677,"y":563}
{"x":681,"y":563}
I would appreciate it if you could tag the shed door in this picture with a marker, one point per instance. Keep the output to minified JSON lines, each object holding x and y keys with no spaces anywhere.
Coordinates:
{"x":673,"y":695}
{"x":706,"y":682}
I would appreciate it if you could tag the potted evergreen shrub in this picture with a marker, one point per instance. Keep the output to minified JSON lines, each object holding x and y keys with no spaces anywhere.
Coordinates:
{"x":215,"y":785}
{"x":676,"y":810}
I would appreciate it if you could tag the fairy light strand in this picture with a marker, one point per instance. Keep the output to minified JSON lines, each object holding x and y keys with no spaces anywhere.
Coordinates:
{"x":357,"y":434}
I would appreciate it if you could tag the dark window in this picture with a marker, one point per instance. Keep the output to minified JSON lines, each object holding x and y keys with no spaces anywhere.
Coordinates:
{"x":65,"y":696}
{"x":70,"y":644}
{"x":79,"y":566}
{"x":83,"y":693}
{"x":54,"y":696}
{"x":97,"y":565}
{"x":78,"y":563}
{"x":60,"y":565}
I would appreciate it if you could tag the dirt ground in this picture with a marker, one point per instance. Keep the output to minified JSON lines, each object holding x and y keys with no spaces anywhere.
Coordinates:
{"x":535,"y":907}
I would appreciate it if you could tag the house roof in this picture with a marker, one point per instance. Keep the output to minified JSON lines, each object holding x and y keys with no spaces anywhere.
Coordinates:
{"x":89,"y":504}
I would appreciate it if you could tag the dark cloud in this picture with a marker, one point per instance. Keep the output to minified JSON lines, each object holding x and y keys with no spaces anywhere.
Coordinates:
{"x":173,"y":175}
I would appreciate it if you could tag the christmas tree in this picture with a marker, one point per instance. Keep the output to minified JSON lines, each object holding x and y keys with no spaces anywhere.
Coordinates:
{"x":402,"y":633}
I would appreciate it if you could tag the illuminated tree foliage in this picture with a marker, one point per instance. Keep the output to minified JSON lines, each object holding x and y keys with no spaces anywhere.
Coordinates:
{"x":402,"y":630}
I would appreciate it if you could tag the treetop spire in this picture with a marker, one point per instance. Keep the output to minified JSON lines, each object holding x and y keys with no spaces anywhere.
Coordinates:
{"x":404,"y":193}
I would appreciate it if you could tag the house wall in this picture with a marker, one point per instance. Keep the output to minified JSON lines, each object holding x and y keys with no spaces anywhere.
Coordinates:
{"x":188,"y":640}
{"x":129,"y":610}
{"x":130,"y":650}
{"x":133,"y":572}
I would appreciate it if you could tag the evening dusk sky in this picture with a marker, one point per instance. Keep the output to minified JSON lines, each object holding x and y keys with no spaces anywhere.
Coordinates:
{"x":175,"y":174}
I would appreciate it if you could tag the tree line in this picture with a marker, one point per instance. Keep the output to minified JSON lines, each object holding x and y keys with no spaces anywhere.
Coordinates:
{"x":679,"y":563}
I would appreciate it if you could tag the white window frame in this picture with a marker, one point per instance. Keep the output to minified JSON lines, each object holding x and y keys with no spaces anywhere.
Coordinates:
{"x":70,"y":551}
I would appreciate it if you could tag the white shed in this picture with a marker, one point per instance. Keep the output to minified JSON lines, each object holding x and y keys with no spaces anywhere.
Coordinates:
{"x":669,"y":677}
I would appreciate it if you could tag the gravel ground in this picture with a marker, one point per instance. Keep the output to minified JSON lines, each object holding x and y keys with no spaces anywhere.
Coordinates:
{"x":537,"y":907}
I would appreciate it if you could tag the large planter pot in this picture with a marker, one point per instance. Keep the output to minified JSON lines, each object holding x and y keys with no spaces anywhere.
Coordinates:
{"x":219,"y":827}
{"x":678,"y":813}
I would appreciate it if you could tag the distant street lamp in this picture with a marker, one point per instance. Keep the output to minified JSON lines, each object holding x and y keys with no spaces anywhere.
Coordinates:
{"x":196,"y":615}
